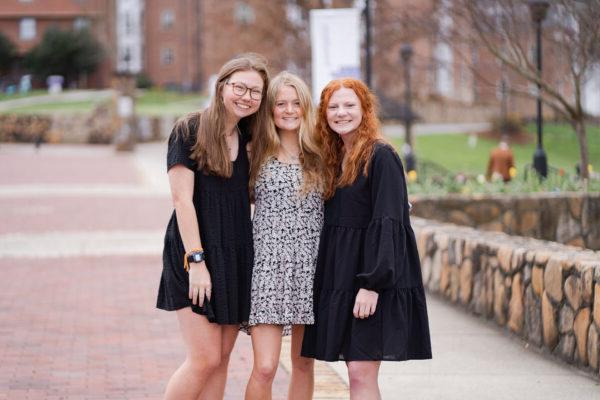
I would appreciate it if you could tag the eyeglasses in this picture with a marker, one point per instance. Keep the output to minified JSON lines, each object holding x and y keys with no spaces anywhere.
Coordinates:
{"x":239,"y":89}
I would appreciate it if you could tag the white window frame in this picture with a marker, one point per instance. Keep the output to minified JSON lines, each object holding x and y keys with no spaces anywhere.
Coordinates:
{"x":27,"y":28}
{"x":167,"y":19}
{"x":81,"y":23}
{"x":167,"y":56}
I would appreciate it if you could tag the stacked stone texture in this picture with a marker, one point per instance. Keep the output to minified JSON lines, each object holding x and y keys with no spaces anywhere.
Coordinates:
{"x":569,"y":218}
{"x":545,"y":292}
{"x":101,"y":126}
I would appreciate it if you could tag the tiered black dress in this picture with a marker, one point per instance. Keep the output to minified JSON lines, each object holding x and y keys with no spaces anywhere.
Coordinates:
{"x":367,"y":242}
{"x":223,"y":211}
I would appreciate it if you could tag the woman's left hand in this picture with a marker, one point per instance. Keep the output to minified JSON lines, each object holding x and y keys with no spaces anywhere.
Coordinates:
{"x":365,"y":303}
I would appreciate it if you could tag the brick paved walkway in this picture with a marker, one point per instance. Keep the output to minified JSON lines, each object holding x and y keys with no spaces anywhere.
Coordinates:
{"x":81,"y":326}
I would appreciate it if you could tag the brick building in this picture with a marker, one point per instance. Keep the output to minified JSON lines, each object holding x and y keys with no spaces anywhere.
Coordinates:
{"x":25,"y":21}
{"x":453,"y":73}
{"x":181,"y":43}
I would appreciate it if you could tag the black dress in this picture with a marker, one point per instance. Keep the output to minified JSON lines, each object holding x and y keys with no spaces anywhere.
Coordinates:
{"x":223,"y":211}
{"x":367,"y":242}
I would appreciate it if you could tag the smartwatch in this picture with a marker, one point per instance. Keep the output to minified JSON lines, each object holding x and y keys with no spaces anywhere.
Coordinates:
{"x":196,"y":257}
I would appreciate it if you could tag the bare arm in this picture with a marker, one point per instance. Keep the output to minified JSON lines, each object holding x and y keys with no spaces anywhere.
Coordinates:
{"x":181,"y":181}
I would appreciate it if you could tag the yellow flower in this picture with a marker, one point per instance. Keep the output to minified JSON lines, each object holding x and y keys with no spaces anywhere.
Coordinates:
{"x":512,"y":172}
{"x":412,"y":176}
{"x":590,"y":168}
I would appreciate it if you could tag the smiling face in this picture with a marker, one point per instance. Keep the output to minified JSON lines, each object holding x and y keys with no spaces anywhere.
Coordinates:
{"x":242,"y":106}
{"x":287,"y":111}
{"x":344,"y":112}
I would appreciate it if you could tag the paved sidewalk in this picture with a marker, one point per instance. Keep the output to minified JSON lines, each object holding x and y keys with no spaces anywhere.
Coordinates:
{"x":81,"y":230}
{"x":70,"y":95}
{"x":397,"y":130}
{"x":80,"y":240}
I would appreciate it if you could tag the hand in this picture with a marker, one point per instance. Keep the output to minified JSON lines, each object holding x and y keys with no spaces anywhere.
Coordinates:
{"x":200,"y":284}
{"x":365,"y":303}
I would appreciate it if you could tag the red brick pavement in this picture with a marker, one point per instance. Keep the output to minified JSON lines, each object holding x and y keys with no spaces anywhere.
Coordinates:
{"x":65,"y":164}
{"x":41,"y":214}
{"x":86,"y":328}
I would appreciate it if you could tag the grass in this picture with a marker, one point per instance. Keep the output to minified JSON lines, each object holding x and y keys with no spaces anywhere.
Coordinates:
{"x":66,"y":107}
{"x":160,"y":102}
{"x":149,"y":102}
{"x":453,"y":152}
{"x":37,"y":92}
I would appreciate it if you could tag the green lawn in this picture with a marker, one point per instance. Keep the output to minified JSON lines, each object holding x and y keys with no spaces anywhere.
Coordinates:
{"x":160,"y":102}
{"x":66,"y":107}
{"x":37,"y":92}
{"x":453,"y":152}
{"x":149,"y":102}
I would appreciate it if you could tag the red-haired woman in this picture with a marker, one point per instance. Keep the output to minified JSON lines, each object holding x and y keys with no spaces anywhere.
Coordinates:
{"x":368,"y":297}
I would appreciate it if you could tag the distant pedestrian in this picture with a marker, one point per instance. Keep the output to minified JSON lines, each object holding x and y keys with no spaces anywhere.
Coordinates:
{"x":501,"y":161}
{"x":208,"y":251}
{"x":368,"y":295}
{"x":288,"y":217}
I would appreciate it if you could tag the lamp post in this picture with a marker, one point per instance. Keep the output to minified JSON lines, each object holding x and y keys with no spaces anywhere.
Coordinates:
{"x":538,"y":9}
{"x":406,"y":53}
{"x":125,"y":103}
{"x":367,"y":12}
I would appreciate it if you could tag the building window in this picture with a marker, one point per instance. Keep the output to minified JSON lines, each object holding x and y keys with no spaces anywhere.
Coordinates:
{"x":81,"y":23}
{"x":27,"y":29}
{"x":167,"y":56}
{"x":167,"y":19}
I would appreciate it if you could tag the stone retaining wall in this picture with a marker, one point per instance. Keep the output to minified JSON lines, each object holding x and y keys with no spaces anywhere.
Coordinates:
{"x":544,"y":292}
{"x":569,"y":218}
{"x":101,"y":126}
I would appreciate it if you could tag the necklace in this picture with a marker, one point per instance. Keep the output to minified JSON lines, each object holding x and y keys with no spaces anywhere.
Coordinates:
{"x":290,"y":155}
{"x":233,"y":132}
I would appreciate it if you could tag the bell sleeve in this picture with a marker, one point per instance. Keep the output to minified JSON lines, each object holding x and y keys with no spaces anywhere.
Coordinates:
{"x":384,"y":252}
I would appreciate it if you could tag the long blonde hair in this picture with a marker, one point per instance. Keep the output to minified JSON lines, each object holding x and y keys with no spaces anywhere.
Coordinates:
{"x":210,"y":150}
{"x":266,"y":145}
{"x":367,"y":134}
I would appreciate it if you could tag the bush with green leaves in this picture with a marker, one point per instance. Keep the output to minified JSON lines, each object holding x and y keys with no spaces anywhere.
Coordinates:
{"x":143,"y":81}
{"x":65,"y":52}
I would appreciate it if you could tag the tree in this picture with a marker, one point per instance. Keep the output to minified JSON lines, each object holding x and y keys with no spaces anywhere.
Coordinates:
{"x":7,"y":53}
{"x":66,"y":53}
{"x":571,"y":36}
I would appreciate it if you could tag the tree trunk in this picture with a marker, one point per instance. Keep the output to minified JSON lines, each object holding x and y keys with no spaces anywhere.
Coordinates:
{"x":579,"y":125}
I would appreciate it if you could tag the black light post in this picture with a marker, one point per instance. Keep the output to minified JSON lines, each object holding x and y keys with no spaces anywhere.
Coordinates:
{"x":538,"y":9}
{"x":367,"y":12}
{"x":406,"y":53}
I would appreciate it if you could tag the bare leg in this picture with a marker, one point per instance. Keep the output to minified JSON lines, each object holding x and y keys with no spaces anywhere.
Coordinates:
{"x":303,"y":377}
{"x":266,"y":345}
{"x":215,"y":387}
{"x":363,"y":380}
{"x":203,"y":347}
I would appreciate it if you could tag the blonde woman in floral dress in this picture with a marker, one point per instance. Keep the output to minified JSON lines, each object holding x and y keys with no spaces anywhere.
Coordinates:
{"x":285,"y":176}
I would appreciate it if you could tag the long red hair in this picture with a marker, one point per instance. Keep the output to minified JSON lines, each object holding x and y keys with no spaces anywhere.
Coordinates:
{"x":367,"y":134}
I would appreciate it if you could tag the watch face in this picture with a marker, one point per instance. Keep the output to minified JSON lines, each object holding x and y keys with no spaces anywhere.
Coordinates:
{"x":197,"y":257}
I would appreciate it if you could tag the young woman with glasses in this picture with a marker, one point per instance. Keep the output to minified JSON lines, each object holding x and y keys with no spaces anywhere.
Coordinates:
{"x":208,"y":250}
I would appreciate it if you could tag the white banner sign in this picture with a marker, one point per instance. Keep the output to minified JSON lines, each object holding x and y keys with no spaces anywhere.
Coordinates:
{"x":335,"y":45}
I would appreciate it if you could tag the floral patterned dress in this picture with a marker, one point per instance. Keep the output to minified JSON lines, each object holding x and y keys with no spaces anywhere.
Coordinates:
{"x":286,"y":230}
